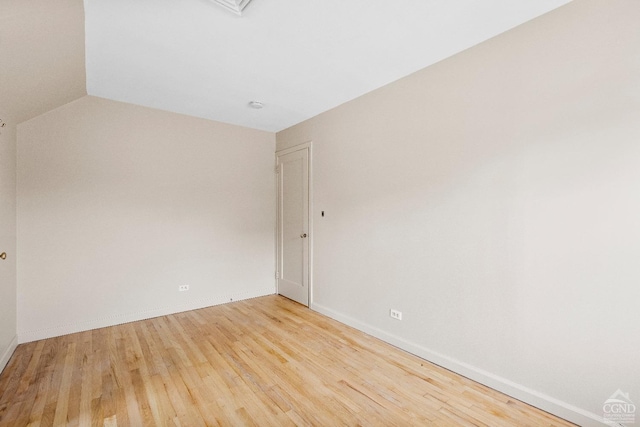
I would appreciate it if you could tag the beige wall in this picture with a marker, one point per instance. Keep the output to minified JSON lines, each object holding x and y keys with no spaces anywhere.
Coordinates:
{"x":494,"y":199}
{"x":41,"y":67}
{"x":8,"y":339}
{"x":118,"y":205}
{"x":41,"y":55}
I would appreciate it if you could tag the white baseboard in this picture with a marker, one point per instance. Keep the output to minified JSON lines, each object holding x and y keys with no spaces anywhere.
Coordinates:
{"x":503,"y":385}
{"x":6,"y":355}
{"x":56,"y":331}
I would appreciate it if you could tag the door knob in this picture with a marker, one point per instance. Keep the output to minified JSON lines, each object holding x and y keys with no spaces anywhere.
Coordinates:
{"x":3,"y":255}
{"x":303,"y":235}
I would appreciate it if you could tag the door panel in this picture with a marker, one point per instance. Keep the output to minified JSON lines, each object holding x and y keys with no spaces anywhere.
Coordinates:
{"x":293,"y":225}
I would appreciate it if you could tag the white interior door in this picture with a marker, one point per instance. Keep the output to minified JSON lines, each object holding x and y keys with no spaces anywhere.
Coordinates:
{"x":293,"y":225}
{"x":7,"y":242}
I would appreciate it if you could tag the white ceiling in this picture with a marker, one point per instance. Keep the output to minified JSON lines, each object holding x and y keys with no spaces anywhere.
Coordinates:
{"x":298,"y":57}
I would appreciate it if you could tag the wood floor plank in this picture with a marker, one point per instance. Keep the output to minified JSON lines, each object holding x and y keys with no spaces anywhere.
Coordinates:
{"x":64,"y":390}
{"x":265,"y":361}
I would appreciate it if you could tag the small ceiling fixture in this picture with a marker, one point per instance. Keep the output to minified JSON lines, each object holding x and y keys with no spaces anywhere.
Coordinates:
{"x":256,"y":105}
{"x":235,"y":6}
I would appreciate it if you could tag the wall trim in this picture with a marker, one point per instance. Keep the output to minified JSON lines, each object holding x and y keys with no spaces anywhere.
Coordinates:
{"x":6,"y":356}
{"x":71,"y":328}
{"x":532,"y":397}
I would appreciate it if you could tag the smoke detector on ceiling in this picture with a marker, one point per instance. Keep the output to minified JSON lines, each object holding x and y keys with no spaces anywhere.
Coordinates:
{"x":235,"y":6}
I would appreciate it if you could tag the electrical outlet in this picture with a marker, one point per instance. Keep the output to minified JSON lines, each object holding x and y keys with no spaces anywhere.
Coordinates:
{"x":182,"y":288}
{"x":395,"y":314}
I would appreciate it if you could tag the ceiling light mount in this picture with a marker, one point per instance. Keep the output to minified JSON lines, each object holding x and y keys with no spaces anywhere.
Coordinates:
{"x":235,"y":6}
{"x":256,"y":105}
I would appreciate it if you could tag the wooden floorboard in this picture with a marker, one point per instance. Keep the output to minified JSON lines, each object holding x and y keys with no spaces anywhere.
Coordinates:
{"x":264,"y":362}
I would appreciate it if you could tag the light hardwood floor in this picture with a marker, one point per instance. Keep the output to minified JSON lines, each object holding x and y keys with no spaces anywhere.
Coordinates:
{"x":266,"y":362}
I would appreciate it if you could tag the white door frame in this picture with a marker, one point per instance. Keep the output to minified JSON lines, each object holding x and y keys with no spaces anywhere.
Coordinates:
{"x":308,"y":147}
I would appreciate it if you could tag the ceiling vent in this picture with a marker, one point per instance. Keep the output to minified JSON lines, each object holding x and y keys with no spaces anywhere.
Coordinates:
{"x":235,"y":6}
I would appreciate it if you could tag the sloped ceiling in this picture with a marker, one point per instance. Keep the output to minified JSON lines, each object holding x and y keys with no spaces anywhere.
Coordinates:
{"x":299,"y":58}
{"x":42,"y":61}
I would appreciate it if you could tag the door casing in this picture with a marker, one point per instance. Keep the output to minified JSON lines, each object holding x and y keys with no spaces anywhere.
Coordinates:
{"x":308,"y":147}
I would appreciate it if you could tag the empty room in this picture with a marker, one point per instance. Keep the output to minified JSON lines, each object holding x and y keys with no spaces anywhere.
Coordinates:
{"x":267,"y":212}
